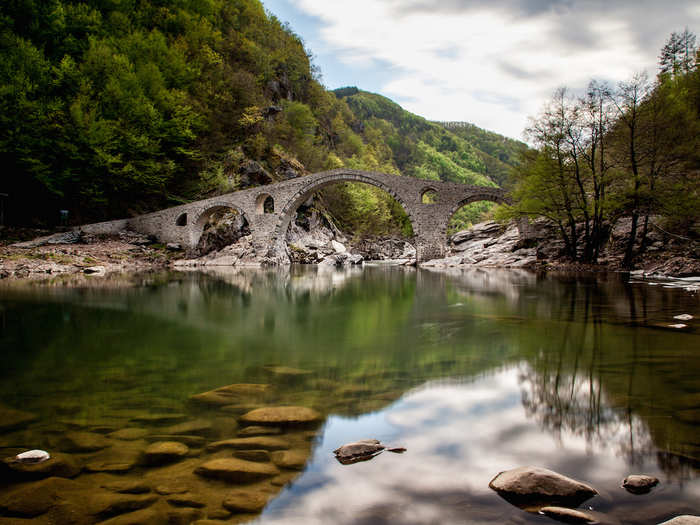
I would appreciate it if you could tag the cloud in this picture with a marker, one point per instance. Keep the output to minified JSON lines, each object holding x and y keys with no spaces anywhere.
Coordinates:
{"x":443,"y":57}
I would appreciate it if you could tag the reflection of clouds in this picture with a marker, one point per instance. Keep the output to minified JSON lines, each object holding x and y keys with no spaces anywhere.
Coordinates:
{"x":458,"y":438}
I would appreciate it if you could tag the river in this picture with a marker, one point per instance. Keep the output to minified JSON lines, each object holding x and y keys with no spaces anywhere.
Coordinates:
{"x":473,"y":372}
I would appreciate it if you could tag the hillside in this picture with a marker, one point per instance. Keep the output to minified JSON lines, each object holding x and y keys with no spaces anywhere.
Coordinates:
{"x":109,"y":110}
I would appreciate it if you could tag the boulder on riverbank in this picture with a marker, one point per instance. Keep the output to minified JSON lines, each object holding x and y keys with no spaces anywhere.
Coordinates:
{"x":535,"y":485}
{"x":683,"y":520}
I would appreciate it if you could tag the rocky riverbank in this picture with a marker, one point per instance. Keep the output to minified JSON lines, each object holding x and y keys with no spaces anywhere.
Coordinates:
{"x":315,"y":240}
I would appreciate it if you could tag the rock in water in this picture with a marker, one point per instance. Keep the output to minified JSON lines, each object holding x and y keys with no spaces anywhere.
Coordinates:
{"x":281,"y":416}
{"x":163,"y":452}
{"x":639,"y":483}
{"x":236,"y":470}
{"x":528,"y":485}
{"x":683,"y":520}
{"x":32,"y":456}
{"x":683,"y":317}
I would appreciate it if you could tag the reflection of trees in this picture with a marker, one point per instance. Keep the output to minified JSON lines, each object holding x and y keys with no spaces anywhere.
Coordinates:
{"x":618,"y":384}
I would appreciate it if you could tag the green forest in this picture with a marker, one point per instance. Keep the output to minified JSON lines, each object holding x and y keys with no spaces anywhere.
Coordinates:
{"x":631,"y":150}
{"x":114,"y":108}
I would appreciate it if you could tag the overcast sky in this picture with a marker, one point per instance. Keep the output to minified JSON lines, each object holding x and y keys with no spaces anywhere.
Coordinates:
{"x":493,"y":63}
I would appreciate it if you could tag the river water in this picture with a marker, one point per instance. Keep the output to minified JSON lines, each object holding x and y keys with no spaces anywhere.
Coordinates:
{"x":473,"y":372}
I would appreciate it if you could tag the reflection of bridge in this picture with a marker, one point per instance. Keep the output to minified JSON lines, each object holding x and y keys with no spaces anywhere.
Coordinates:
{"x":269,"y":209}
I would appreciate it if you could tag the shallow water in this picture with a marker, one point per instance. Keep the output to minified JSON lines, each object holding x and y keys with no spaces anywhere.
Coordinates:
{"x":473,"y":372}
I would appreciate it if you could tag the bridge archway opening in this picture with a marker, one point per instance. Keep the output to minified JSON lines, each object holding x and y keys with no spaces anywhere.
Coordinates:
{"x":220,"y":226}
{"x":471,"y":211}
{"x":181,"y":220}
{"x":356,"y":210}
{"x":264,"y":203}
{"x":429,"y":196}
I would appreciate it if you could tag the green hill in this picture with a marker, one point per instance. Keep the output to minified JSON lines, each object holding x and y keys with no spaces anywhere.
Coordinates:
{"x":109,"y":109}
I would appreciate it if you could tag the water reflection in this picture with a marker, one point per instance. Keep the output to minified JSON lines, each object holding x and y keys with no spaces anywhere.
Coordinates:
{"x":473,"y":372}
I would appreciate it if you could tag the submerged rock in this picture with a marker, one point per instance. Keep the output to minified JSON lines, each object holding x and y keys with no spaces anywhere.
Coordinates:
{"x":196,"y":426}
{"x":33,"y":499}
{"x":11,"y":419}
{"x":232,"y":394}
{"x":262,"y":456}
{"x":567,"y":515}
{"x":527,"y":485}
{"x":290,"y":459}
{"x":281,"y":416}
{"x":245,"y":501}
{"x":236,"y":470}
{"x":162,"y":452}
{"x":255,"y":430}
{"x":250,"y":443}
{"x":82,"y":442}
{"x":129,"y":434}
{"x":639,"y":483}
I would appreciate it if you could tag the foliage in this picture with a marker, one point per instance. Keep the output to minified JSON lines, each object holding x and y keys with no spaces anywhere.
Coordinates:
{"x":108,"y":109}
{"x":629,"y":151}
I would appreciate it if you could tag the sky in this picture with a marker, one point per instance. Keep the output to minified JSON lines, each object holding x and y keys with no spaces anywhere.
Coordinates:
{"x":492,"y":63}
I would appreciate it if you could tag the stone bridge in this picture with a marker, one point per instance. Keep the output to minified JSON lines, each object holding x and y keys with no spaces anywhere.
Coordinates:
{"x":269,"y":210}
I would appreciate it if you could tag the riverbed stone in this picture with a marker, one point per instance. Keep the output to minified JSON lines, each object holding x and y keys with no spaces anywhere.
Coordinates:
{"x":536,"y":484}
{"x":172,"y":487}
{"x":127,"y":486}
{"x":106,"y":504}
{"x":11,"y":419}
{"x":567,"y":515}
{"x":245,"y":501}
{"x":129,"y":434}
{"x":262,"y":456}
{"x":82,"y":442}
{"x":159,"y":419}
{"x":639,"y":483}
{"x":162,"y":452}
{"x":256,"y":430}
{"x":139,"y":517}
{"x":117,"y":459}
{"x":286,"y":371}
{"x":250,"y":443}
{"x":185,"y":500}
{"x":236,"y":470}
{"x":33,"y":499}
{"x":683,"y":520}
{"x":290,"y":459}
{"x":59,"y":465}
{"x":281,"y":415}
{"x":195,"y":426}
{"x":189,"y":440}
{"x":232,"y":394}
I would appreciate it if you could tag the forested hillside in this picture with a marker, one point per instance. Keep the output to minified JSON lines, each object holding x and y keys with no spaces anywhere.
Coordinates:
{"x":108,"y":109}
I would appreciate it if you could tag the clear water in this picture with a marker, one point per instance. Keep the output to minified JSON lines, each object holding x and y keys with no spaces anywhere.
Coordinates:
{"x":473,"y":372}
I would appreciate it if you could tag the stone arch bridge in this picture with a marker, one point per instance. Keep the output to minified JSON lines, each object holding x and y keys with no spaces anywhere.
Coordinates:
{"x":269,"y":210}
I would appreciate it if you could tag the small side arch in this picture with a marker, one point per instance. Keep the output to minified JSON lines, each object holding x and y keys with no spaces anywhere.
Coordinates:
{"x":181,"y":220}
{"x":214,"y":211}
{"x":264,"y":203}
{"x":428,"y":195}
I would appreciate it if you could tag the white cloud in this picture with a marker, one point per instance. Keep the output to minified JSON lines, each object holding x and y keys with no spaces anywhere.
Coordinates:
{"x":486,"y":65}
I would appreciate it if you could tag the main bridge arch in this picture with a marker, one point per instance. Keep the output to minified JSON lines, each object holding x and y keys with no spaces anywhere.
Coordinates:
{"x":322,"y":180}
